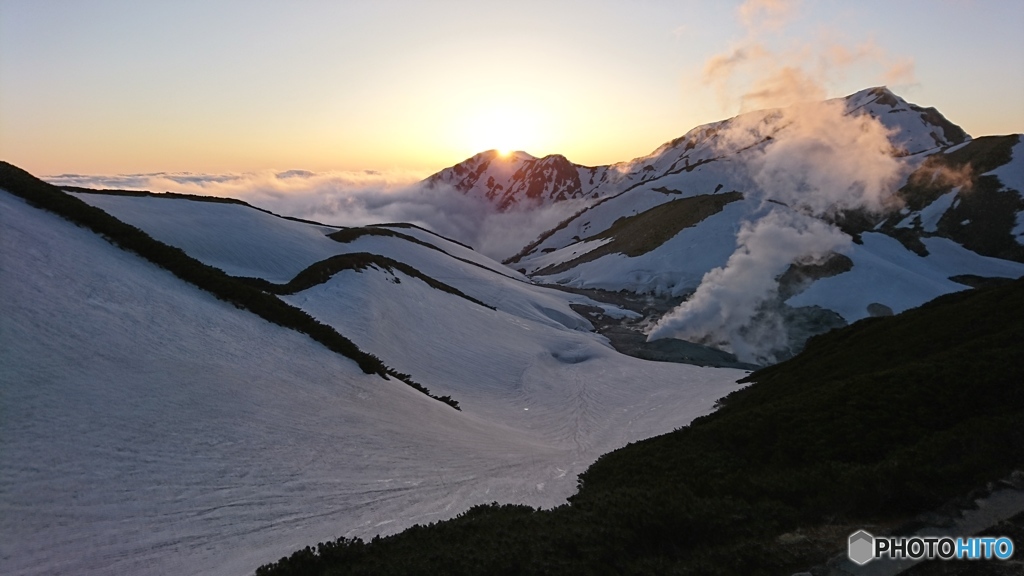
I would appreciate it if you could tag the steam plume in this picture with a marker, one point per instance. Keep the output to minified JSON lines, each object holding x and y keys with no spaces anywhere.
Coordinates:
{"x":731,"y":307}
{"x":808,"y":161}
{"x":820,"y":163}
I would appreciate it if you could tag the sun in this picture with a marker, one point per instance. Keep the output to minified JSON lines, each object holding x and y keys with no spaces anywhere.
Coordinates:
{"x":505,"y":129}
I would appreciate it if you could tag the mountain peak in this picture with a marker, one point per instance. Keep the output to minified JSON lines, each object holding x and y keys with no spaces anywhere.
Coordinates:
{"x":494,"y":154}
{"x":881,"y":94}
{"x":519,"y":178}
{"x":918,"y":129}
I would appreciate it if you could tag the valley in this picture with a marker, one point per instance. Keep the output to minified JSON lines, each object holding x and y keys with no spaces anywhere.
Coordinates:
{"x":194,"y":384}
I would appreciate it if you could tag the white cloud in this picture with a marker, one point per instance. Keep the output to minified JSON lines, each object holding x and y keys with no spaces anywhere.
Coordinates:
{"x":354,"y":199}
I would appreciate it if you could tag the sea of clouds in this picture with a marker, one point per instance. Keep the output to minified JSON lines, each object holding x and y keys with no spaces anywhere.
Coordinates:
{"x":355,"y":199}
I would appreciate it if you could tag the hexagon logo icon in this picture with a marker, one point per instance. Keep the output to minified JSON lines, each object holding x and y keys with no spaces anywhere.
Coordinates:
{"x":861,"y":547}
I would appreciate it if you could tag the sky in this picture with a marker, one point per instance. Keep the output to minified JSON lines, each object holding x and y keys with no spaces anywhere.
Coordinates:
{"x":410,"y":87}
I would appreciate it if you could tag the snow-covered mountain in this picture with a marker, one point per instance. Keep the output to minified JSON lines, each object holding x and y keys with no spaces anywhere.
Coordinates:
{"x":696,"y":226}
{"x":149,"y":427}
{"x":705,"y":161}
{"x":922,"y":209}
{"x":521,"y":180}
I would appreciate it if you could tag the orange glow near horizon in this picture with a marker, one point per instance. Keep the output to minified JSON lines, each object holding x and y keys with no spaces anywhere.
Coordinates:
{"x":506,"y":128}
{"x":353,"y":86}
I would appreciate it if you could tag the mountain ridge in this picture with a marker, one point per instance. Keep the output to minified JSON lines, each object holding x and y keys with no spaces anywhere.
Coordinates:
{"x":520,"y":179}
{"x":917,"y":205}
{"x":525,"y":181}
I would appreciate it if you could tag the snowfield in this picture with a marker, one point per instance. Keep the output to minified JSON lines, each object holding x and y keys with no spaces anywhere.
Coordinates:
{"x":534,"y":375}
{"x":673,"y":268}
{"x":147,"y":427}
{"x":238,"y":239}
{"x":885,"y":272}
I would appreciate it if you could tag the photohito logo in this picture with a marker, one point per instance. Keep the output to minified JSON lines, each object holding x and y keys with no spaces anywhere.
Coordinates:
{"x":863,"y":547}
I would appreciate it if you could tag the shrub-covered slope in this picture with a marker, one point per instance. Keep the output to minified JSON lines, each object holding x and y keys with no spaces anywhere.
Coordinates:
{"x":872,"y":423}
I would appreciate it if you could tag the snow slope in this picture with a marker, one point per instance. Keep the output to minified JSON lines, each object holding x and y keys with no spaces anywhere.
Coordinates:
{"x":238,"y":239}
{"x":885,"y":272}
{"x":244,"y":241}
{"x":673,"y":268}
{"x":531,"y":374}
{"x":147,"y":427}
{"x":455,"y":249}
